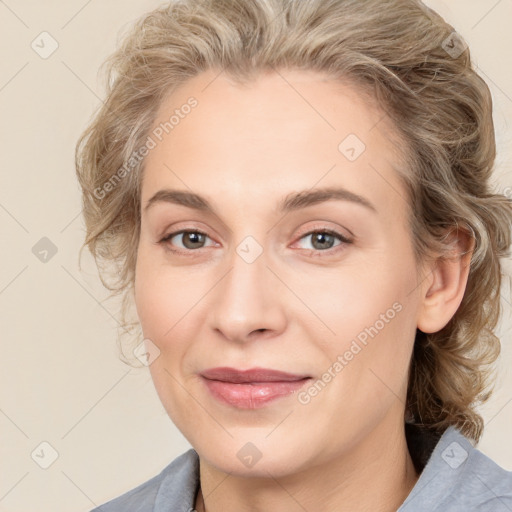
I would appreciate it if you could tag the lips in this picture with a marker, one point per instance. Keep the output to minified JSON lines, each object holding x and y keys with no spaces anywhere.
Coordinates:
{"x":253,"y":388}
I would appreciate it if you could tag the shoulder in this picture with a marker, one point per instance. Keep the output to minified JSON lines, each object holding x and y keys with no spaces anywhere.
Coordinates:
{"x":458,"y":477}
{"x":175,"y":485}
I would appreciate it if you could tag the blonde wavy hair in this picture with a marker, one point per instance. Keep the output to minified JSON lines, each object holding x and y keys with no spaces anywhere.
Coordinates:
{"x":395,"y":51}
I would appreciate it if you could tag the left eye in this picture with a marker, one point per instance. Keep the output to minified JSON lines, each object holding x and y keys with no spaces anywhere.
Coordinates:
{"x":324,"y":240}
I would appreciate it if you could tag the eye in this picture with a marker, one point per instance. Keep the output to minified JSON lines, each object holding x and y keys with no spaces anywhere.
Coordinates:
{"x":323,"y":240}
{"x":191,"y":239}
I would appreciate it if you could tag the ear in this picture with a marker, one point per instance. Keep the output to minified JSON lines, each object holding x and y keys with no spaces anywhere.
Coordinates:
{"x":444,"y":288}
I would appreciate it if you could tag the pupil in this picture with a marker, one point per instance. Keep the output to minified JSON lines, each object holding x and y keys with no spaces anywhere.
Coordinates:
{"x":196,"y":238}
{"x":320,"y":237}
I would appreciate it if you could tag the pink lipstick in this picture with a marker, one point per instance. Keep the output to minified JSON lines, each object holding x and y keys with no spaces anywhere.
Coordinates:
{"x":253,"y":388}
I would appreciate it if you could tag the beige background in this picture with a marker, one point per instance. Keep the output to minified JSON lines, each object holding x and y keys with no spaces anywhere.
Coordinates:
{"x":61,"y":380}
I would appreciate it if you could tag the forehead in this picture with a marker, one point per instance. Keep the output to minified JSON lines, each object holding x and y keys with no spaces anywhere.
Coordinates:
{"x":283,"y":131}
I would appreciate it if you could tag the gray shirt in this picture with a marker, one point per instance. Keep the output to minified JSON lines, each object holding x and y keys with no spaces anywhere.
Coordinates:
{"x":456,"y":478}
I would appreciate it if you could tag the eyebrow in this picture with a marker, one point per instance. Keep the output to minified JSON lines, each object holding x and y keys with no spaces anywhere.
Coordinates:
{"x":291,"y":202}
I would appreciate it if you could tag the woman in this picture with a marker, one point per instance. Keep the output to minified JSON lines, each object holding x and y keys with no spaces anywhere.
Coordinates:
{"x":296,"y":198}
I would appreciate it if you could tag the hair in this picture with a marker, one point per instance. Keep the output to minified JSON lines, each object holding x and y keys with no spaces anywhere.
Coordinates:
{"x":394,"y":51}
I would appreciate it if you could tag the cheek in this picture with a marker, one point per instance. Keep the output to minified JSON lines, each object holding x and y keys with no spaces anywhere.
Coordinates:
{"x":160,"y":304}
{"x":146,"y":290}
{"x":371,"y":316}
{"x":170,"y":304}
{"x":356,"y":300}
{"x":160,"y":295}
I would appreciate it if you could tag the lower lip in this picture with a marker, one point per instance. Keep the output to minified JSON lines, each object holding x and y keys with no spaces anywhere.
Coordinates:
{"x":252,"y":395}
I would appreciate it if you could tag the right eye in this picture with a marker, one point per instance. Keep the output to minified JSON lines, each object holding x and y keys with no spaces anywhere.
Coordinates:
{"x":190,"y":240}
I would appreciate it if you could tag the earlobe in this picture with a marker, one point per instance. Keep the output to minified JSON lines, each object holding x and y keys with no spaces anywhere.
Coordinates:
{"x":444,"y":290}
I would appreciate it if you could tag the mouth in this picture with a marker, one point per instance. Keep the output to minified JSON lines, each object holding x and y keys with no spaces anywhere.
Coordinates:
{"x":253,"y":388}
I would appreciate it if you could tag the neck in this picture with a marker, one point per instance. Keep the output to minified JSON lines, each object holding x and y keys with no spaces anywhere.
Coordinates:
{"x":377,"y":474}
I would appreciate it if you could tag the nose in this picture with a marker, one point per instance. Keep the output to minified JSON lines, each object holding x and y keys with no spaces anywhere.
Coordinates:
{"x":249,"y":302}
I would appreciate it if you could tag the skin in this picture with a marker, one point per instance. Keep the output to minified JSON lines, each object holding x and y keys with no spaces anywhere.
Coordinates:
{"x":299,"y":304}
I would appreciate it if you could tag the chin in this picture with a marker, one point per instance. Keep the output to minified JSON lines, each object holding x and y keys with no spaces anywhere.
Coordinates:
{"x":254,"y":456}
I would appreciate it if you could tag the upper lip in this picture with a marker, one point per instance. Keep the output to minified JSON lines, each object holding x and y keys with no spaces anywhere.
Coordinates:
{"x":234,"y":375}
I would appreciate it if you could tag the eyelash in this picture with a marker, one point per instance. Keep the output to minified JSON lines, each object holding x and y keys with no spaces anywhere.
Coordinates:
{"x":344,"y":241}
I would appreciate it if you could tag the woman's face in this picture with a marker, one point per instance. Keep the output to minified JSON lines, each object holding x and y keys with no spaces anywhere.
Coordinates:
{"x":274,"y":275}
